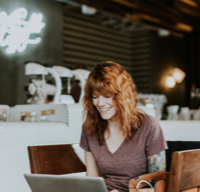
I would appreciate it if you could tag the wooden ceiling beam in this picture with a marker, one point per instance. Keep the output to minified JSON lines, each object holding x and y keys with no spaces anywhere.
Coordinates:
{"x":190,"y":3}
{"x":197,"y":2}
{"x":154,"y":27}
{"x":184,"y":27}
{"x":179,"y":27}
{"x":170,"y":9}
{"x":184,"y":8}
{"x":149,"y":11}
{"x":137,"y":18}
{"x":168,"y":15}
{"x":106,"y":6}
{"x":126,"y":3}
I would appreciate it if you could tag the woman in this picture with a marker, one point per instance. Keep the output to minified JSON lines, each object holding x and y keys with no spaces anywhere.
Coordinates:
{"x":120,"y":141}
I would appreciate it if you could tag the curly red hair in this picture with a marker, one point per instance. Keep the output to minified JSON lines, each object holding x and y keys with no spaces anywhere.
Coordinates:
{"x":111,"y":78}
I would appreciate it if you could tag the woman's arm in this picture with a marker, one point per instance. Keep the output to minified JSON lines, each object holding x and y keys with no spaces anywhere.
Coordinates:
{"x":91,"y":166}
{"x":157,"y":162}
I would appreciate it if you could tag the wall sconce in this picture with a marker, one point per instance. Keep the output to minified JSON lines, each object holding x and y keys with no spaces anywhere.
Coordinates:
{"x":177,"y":76}
{"x":170,"y":81}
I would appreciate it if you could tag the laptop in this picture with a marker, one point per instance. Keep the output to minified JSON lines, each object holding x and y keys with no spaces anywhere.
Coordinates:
{"x":64,"y":183}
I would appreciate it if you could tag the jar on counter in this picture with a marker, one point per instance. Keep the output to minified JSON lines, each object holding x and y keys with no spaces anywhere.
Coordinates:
{"x":196,"y":114}
{"x":173,"y":112}
{"x":184,"y":113}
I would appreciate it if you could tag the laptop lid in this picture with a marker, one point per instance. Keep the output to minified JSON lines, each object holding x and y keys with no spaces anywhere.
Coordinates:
{"x":64,"y":183}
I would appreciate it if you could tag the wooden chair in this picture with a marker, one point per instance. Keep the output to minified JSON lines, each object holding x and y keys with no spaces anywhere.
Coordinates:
{"x":54,"y":159}
{"x":184,"y":175}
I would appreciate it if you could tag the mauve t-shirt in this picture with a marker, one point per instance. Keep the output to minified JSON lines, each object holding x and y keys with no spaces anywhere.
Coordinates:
{"x":130,"y":159}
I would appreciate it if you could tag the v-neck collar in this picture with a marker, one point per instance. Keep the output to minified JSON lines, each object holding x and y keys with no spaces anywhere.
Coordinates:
{"x":107,"y":149}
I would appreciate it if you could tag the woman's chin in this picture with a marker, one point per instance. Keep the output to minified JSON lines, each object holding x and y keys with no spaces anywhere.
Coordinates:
{"x":105,"y":117}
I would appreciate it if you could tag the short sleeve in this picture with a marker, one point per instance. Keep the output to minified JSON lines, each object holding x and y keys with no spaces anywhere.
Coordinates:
{"x":84,"y":140}
{"x":155,"y":142}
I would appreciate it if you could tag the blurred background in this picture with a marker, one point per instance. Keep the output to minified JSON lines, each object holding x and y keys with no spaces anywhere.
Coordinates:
{"x":49,"y":47}
{"x":149,"y":38}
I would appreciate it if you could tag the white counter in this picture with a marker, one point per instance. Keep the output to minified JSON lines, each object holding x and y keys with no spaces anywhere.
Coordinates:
{"x":181,"y":130}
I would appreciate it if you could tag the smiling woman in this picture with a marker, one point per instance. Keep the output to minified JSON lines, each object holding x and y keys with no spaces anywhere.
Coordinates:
{"x":120,"y":141}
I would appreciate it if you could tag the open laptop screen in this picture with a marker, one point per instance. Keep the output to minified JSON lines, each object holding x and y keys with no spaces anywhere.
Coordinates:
{"x":64,"y":183}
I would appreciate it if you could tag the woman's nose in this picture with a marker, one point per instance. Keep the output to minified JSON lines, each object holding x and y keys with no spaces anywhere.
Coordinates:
{"x":101,"y":101}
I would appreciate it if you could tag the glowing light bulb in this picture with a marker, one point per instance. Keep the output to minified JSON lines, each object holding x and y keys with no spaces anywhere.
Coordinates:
{"x":170,"y":81}
{"x":178,"y":74}
{"x":15,"y":31}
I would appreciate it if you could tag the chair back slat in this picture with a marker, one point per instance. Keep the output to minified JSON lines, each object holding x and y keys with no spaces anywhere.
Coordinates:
{"x":54,"y":159}
{"x":184,"y":171}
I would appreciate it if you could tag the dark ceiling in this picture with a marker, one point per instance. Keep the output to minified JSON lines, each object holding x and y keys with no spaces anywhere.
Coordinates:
{"x":178,"y":16}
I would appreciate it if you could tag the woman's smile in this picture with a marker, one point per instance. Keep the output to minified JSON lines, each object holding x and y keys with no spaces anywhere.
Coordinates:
{"x":103,"y":110}
{"x":105,"y":105}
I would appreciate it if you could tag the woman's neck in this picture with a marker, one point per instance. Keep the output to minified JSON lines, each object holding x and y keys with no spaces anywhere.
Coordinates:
{"x":114,"y":123}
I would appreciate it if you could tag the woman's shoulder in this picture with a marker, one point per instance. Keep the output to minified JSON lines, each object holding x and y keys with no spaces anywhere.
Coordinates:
{"x":150,"y":128}
{"x":150,"y":122}
{"x":150,"y":119}
{"x":84,"y":129}
{"x":86,"y":132}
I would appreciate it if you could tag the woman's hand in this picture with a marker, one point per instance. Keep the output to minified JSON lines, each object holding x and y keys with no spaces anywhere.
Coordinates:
{"x":115,"y":190}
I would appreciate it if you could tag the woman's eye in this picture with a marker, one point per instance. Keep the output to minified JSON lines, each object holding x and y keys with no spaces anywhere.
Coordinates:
{"x":108,"y":96}
{"x":94,"y":97}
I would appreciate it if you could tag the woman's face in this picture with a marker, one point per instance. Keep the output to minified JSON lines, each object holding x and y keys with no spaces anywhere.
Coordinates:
{"x":105,"y":105}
